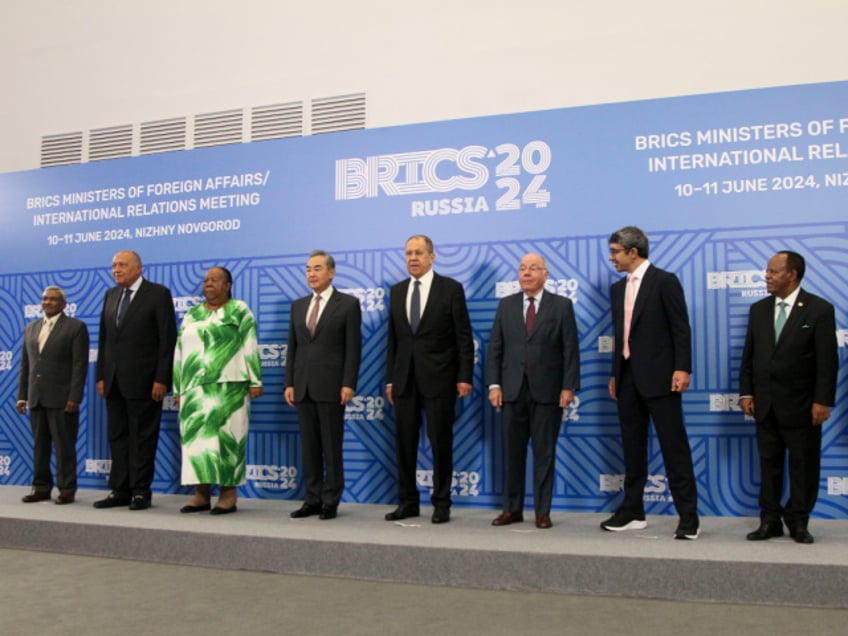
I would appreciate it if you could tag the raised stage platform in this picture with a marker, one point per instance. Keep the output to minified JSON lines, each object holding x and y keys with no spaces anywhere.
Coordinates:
{"x":574,"y":557}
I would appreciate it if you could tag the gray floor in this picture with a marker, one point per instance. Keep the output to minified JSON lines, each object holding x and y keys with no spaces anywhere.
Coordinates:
{"x":44,"y":593}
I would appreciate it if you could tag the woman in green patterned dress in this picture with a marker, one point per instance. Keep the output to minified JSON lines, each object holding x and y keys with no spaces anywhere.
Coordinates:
{"x":216,"y":374}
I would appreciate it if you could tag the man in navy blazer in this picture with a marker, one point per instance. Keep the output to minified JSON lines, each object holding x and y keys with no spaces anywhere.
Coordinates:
{"x":532,"y":370}
{"x":787,"y":382}
{"x":652,"y":362}
{"x":54,"y":363}
{"x":430,"y":361}
{"x":322,"y":368}
{"x":135,"y":359}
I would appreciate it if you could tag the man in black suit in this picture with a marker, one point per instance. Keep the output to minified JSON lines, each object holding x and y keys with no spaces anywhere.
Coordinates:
{"x":430,"y":361}
{"x":54,"y":363}
{"x":322,"y":368}
{"x":650,"y":371}
{"x":532,"y":370}
{"x":135,"y":357}
{"x":787,"y":382}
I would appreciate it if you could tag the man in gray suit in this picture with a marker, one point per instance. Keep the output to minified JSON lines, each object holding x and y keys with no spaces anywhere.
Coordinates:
{"x":532,"y":370}
{"x":322,"y":367}
{"x":54,"y":362}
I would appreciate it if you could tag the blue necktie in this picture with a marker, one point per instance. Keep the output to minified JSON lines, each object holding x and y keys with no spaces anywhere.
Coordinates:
{"x":125,"y":303}
{"x":415,"y":307}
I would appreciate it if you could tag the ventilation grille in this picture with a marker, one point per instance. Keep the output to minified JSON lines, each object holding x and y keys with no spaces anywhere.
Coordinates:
{"x":60,"y":150}
{"x":110,"y":143}
{"x":218,"y":129}
{"x":334,"y":114}
{"x":163,"y":135}
{"x":276,"y":121}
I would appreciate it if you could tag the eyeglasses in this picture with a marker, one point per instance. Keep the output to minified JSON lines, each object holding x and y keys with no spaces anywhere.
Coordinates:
{"x":532,"y":268}
{"x":616,"y":250}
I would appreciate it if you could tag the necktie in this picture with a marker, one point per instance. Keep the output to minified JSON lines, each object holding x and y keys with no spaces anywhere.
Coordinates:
{"x":46,"y":325}
{"x":415,"y":307}
{"x":313,"y":316}
{"x":781,"y":319}
{"x":530,"y":318}
{"x":125,"y":303}
{"x":629,"y":301}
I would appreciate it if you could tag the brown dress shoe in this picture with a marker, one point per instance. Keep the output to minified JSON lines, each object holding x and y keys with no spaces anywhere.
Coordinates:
{"x":65,"y":498}
{"x":543,"y":522}
{"x":506,"y":518}
{"x":36,"y":495}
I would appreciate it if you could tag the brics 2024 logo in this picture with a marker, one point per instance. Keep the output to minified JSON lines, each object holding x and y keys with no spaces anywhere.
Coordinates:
{"x":518,"y":172}
{"x":273,"y":355}
{"x":750,"y":283}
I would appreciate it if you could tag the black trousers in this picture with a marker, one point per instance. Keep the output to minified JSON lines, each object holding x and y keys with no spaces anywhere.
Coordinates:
{"x":133,"y":437}
{"x":525,"y":420}
{"x":321,"y":438}
{"x":53,"y":428}
{"x":803,"y":445}
{"x":439,"y":413}
{"x":666,"y":411}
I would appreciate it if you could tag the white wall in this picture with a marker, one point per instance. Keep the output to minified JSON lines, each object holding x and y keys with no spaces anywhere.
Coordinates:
{"x":84,"y":64}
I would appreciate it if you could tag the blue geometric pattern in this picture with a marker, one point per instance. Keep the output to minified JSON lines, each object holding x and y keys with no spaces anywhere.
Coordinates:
{"x":589,"y":458}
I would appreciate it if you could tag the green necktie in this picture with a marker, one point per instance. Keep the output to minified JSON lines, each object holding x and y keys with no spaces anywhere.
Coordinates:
{"x":781,"y":319}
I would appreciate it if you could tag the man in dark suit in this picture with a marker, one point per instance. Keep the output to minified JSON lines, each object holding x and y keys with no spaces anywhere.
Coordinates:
{"x":135,"y":357}
{"x":322,"y":368}
{"x":430,"y":361}
{"x":650,"y":371}
{"x":787,"y":382}
{"x":54,"y":363}
{"x":532,"y":370}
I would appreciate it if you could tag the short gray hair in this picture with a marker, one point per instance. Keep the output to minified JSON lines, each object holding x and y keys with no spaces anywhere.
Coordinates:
{"x":331,"y":262}
{"x":58,"y":289}
{"x":629,"y":237}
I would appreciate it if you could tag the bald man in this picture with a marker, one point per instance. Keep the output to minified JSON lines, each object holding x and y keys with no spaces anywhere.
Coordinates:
{"x":135,"y":357}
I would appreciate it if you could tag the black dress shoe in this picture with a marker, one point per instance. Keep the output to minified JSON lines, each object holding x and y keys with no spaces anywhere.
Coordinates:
{"x":767,"y":530}
{"x":328,"y":512}
{"x":441,"y":515}
{"x":223,"y":511}
{"x":36,"y":495}
{"x":201,"y":508}
{"x":140,"y":502}
{"x":113,"y":500}
{"x":306,"y":510}
{"x":801,"y":535}
{"x":403,"y":512}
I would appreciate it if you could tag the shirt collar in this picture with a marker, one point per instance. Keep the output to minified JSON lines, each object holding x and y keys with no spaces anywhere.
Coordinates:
{"x":639,"y":272}
{"x":134,"y":287}
{"x":537,"y":296}
{"x":790,"y":299}
{"x":325,"y":295}
{"x":426,"y":279}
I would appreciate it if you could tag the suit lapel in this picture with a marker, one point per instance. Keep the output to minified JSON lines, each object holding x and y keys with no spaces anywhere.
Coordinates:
{"x":332,"y":306}
{"x":54,"y":333}
{"x":542,"y":312}
{"x":796,"y":318}
{"x":425,"y":311}
{"x":645,"y":289}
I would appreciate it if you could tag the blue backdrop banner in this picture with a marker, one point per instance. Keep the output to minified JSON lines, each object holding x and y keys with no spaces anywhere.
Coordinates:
{"x":719,"y":182}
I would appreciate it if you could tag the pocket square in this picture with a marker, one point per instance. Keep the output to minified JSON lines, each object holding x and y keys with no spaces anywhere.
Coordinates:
{"x":805,"y":326}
